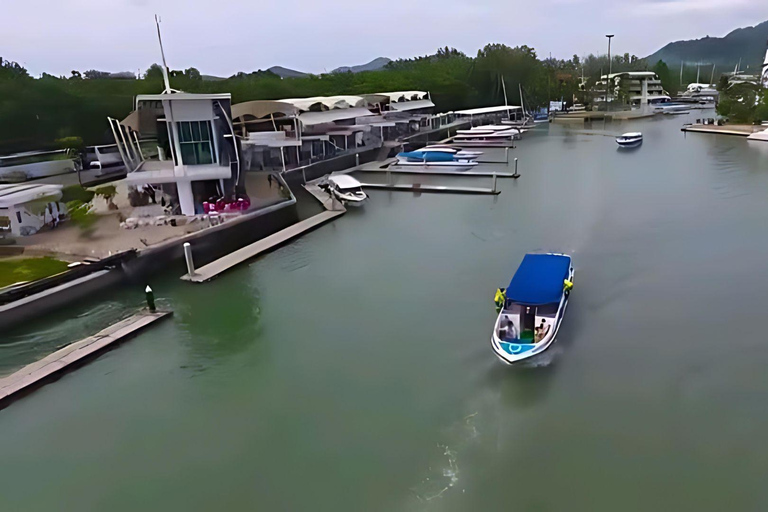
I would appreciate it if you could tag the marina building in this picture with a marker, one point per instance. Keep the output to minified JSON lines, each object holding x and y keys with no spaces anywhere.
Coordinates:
{"x":635,"y":88}
{"x":183,"y":142}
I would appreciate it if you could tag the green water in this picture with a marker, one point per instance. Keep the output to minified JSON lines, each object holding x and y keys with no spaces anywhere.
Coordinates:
{"x":352,"y":370}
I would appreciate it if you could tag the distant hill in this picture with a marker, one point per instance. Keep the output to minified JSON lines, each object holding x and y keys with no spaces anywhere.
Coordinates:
{"x":287,"y":73}
{"x":747,"y":44}
{"x":374,"y":65}
{"x":211,"y":78}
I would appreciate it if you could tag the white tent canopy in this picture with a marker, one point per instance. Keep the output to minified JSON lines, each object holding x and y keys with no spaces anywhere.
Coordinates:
{"x":405,"y":95}
{"x":11,"y":195}
{"x":329,"y":102}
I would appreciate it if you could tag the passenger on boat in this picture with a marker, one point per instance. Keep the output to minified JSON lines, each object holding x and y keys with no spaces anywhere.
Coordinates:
{"x":500,"y":298}
{"x":542,"y":330}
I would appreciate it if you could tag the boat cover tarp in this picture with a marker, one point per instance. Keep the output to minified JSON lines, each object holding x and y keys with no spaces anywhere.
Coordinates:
{"x":539,"y":279}
{"x":429,"y":156}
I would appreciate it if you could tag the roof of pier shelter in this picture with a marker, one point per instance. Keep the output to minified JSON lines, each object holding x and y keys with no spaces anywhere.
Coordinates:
{"x":329,"y":116}
{"x":487,"y":110}
{"x":15,"y":194}
{"x":403,"y":106}
{"x":260,"y":109}
{"x":325,"y":102}
{"x":405,"y":95}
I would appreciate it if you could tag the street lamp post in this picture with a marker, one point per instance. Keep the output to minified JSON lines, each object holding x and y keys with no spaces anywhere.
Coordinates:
{"x":607,"y":98}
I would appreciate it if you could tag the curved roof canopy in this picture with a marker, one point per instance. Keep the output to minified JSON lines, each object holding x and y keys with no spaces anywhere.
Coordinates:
{"x":259,"y":109}
{"x":539,"y":279}
{"x":325,"y":102}
{"x":405,"y":95}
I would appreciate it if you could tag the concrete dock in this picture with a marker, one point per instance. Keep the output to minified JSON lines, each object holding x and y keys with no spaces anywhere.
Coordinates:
{"x":440,"y":172}
{"x":740,"y":130}
{"x":34,"y":375}
{"x":237,"y":257}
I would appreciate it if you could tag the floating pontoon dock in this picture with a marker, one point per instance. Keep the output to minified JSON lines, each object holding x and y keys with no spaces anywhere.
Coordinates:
{"x":416,"y":187}
{"x":36,"y":374}
{"x":741,"y":130}
{"x":232,"y":259}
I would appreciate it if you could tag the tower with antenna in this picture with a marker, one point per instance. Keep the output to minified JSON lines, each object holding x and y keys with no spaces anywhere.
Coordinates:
{"x":195,"y":143}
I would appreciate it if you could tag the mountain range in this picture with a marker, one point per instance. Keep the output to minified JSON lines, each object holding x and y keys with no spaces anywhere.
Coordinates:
{"x":746,"y":44}
{"x":375,"y":65}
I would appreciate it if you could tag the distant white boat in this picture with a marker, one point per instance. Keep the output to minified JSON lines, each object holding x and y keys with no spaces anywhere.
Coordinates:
{"x":488,"y":135}
{"x":35,"y":164}
{"x":629,"y":140}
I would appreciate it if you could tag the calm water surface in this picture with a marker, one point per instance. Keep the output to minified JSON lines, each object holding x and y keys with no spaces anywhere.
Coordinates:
{"x":351,"y":370}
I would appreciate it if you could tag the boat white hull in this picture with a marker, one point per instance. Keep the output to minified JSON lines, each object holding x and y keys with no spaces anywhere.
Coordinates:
{"x":456,"y":166}
{"x":511,"y":353}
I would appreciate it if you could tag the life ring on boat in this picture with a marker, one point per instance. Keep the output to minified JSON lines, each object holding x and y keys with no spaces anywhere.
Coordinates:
{"x":514,"y":348}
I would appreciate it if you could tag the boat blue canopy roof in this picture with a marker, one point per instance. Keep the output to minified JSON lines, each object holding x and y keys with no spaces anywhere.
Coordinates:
{"x":539,"y":279}
{"x":428,"y":156}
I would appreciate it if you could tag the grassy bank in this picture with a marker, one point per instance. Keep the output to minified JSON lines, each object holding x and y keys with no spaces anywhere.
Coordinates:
{"x":29,"y":269}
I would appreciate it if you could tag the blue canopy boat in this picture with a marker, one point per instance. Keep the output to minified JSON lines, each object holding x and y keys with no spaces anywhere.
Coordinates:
{"x":427,"y":159}
{"x":532,"y":307}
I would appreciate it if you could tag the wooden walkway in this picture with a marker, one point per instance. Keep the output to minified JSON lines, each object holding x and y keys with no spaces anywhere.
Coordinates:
{"x":432,"y":188}
{"x":32,"y":376}
{"x":232,"y":259}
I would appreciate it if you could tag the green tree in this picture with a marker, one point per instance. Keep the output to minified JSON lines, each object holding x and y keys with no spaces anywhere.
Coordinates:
{"x":155,"y":72}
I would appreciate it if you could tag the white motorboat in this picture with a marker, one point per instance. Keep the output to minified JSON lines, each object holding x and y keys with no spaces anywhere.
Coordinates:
{"x":345,"y":188}
{"x":629,"y":140}
{"x":435,"y":159}
{"x":491,"y":135}
{"x":531,"y":308}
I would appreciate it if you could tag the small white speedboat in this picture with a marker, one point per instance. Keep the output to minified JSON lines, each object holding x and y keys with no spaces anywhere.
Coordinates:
{"x":345,"y":189}
{"x":630,"y":140}
{"x":532,"y":307}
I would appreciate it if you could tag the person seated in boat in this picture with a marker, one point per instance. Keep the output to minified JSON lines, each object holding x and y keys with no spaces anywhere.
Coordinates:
{"x":536,"y":335}
{"x":542,"y":330}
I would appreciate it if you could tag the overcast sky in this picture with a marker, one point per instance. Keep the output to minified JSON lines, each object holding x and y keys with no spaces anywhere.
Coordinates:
{"x":226,"y":36}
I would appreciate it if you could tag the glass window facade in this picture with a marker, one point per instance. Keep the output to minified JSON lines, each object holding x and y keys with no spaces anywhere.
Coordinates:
{"x":195,"y":139}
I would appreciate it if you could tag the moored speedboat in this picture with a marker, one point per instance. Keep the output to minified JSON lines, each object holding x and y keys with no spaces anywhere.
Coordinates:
{"x":345,"y":188}
{"x":457,"y":152}
{"x":427,"y":159}
{"x":532,"y":307}
{"x":629,"y":140}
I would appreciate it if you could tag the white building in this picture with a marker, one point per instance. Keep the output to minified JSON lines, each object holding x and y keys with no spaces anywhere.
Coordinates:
{"x":194,"y":145}
{"x":25,"y":208}
{"x":642,"y":88}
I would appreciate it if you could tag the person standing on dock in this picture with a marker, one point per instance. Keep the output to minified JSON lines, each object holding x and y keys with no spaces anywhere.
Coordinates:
{"x":269,"y":180}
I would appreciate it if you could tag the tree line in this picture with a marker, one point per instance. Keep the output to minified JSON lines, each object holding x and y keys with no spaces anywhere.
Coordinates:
{"x":36,"y":112}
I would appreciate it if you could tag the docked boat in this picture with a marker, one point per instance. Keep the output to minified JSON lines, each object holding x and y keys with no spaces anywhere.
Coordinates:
{"x":458,"y":152}
{"x":35,"y":164}
{"x":630,"y":140}
{"x":490,"y":135}
{"x":345,"y":188}
{"x":531,"y":308}
{"x":439,"y":159}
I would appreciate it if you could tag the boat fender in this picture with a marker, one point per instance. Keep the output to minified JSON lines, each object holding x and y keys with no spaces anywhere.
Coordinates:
{"x":567,"y":285}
